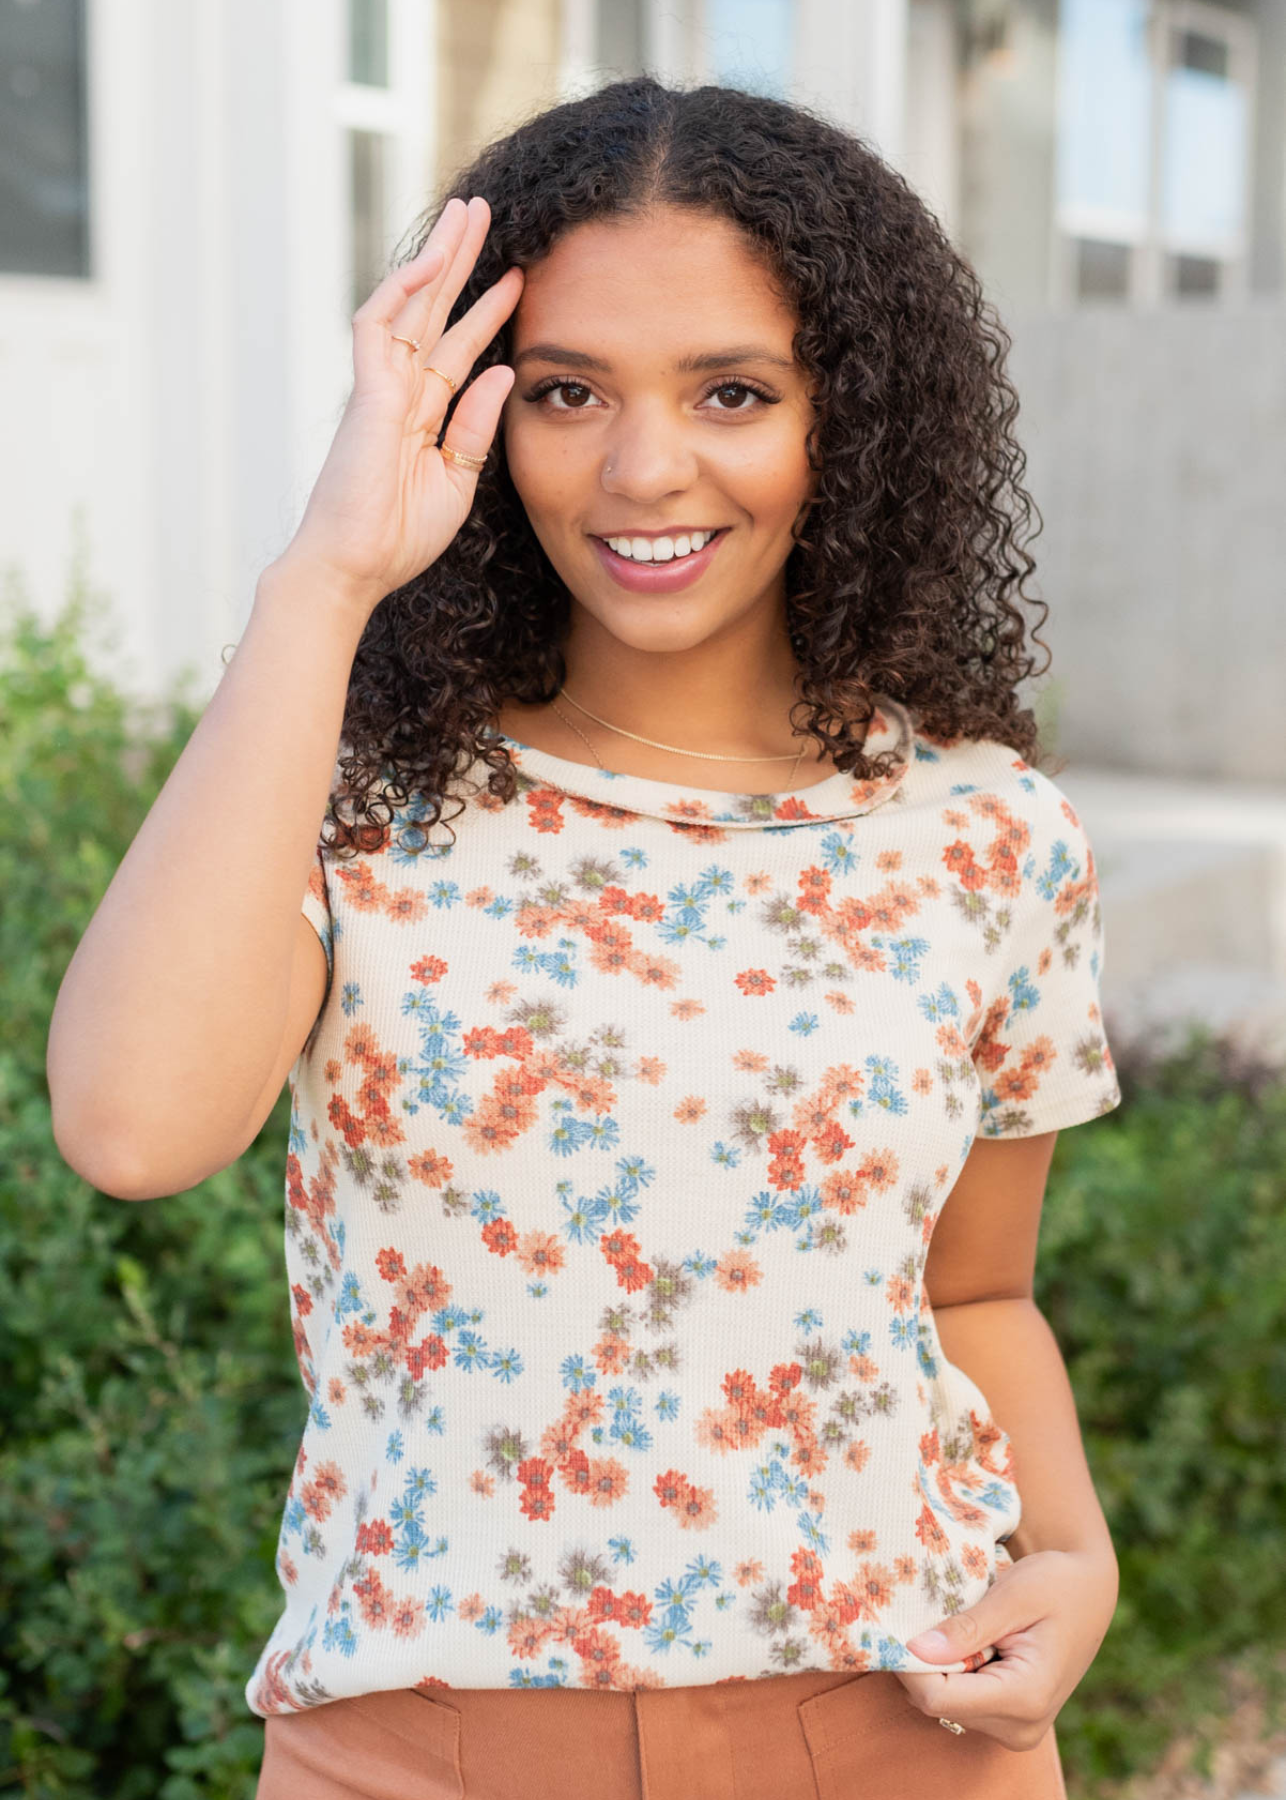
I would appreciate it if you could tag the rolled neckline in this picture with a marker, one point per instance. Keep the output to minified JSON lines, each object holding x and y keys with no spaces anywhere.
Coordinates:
{"x":838,"y":796}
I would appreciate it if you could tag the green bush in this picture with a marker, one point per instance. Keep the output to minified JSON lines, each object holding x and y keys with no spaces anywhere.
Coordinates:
{"x":152,"y":1409}
{"x":1162,"y":1271}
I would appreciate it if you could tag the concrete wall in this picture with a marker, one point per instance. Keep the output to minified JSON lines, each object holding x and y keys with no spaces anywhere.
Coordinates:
{"x":1157,"y":455}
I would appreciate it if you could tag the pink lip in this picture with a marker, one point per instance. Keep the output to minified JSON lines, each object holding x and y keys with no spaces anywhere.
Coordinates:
{"x":657,"y":578}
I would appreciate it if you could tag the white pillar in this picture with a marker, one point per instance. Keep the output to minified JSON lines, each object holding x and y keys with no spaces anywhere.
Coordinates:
{"x":850,"y":63}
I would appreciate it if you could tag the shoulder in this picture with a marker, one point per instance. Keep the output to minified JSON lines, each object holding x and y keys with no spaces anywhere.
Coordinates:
{"x":987,"y":803}
{"x":966,"y":773}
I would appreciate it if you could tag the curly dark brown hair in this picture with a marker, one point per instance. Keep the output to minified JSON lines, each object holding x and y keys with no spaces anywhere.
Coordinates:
{"x":904,"y":573}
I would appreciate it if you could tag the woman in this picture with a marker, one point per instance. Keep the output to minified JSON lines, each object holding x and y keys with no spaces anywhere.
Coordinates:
{"x":692,"y":978}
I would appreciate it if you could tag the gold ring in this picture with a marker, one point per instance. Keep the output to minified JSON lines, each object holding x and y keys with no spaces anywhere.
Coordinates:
{"x":458,"y":456}
{"x":430,"y":370}
{"x":952,"y":1726}
{"x":413,"y":342}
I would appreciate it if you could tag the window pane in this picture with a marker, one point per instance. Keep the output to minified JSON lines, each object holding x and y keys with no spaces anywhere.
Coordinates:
{"x":1104,"y":117}
{"x":1102,"y":270}
{"x":1204,"y":178}
{"x":1196,"y":51}
{"x":368,"y":42}
{"x":44,"y":182}
{"x":751,"y":43}
{"x":1194,"y":274}
{"x":620,"y":37}
{"x":366,"y":164}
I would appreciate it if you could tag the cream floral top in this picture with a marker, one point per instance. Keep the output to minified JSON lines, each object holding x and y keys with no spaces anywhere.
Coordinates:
{"x":615,"y":1155}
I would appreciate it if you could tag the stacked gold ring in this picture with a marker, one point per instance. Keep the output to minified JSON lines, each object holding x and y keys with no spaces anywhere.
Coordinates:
{"x":458,"y":456}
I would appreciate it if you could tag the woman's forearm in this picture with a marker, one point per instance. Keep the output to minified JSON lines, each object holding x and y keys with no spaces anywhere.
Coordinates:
{"x":172,"y":1009}
{"x":1009,"y":1350}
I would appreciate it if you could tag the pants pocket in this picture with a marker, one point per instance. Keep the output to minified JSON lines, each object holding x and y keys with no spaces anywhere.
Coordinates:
{"x":867,"y":1741}
{"x":398,"y":1744}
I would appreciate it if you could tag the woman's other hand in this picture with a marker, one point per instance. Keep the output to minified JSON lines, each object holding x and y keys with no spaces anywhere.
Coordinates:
{"x":1046,"y":1615}
{"x":387,"y":502}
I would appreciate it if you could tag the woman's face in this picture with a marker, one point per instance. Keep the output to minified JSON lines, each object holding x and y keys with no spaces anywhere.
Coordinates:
{"x":656,"y":395}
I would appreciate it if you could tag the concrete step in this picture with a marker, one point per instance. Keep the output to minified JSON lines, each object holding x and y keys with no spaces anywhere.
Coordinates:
{"x":1193,"y":883}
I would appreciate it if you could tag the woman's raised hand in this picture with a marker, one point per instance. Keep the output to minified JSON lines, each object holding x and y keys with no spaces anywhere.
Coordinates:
{"x":387,"y":502}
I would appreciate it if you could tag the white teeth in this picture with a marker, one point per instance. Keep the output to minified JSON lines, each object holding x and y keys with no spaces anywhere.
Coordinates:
{"x":662,"y":549}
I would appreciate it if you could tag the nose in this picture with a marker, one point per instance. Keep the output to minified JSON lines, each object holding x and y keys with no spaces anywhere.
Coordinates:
{"x":648,"y":456}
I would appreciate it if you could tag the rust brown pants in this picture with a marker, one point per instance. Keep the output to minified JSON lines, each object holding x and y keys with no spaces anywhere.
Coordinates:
{"x":808,"y":1736}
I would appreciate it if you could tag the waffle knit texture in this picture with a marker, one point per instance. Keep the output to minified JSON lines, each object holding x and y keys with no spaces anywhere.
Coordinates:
{"x":615,"y":1154}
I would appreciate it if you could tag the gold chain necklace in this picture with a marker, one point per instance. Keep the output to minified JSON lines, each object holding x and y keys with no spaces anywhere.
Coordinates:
{"x":702,"y":755}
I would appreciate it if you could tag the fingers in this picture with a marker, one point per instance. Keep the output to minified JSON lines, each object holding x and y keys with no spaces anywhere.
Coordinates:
{"x":429,"y":310}
{"x":436,"y":253}
{"x":473,"y":424}
{"x":388,"y":307}
{"x":458,"y":349}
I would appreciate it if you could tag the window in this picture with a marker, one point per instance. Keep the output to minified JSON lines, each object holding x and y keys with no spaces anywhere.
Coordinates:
{"x":368,"y":113}
{"x":367,"y":189}
{"x":619,"y":32}
{"x":738,"y":43}
{"x":368,"y":42}
{"x":1153,"y":149}
{"x":751,"y":44}
{"x":44,"y":183}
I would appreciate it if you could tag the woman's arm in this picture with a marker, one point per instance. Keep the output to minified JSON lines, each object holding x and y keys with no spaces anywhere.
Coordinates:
{"x":979,"y":1276}
{"x":1007,"y":1347}
{"x":1048,"y":1613}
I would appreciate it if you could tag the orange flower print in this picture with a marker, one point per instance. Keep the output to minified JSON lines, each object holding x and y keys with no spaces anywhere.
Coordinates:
{"x":755,"y":981}
{"x":607,"y":1481}
{"x":843,"y":1190}
{"x":974,"y":1559}
{"x":873,"y":1589}
{"x":689,"y":1109}
{"x":431,"y":1168}
{"x":737,"y":1271}
{"x":751,"y":1062}
{"x":482,"y":1484}
{"x":686,"y":1009}
{"x":407,"y":1619}
{"x":861,"y":1543}
{"x":697,"y":1511}
{"x":540,"y":1253}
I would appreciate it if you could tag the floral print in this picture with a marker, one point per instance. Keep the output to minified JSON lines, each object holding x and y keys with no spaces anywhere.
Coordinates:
{"x":615,"y":1154}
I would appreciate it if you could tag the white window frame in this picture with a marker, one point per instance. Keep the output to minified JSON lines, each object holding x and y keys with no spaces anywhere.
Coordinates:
{"x":1150,"y":249}
{"x":402,"y":114}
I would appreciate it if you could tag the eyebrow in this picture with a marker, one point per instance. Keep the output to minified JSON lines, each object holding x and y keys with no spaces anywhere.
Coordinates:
{"x":686,"y":365}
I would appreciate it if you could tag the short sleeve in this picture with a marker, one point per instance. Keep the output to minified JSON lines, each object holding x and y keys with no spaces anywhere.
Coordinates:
{"x":317,"y":910}
{"x":1041,"y":1053}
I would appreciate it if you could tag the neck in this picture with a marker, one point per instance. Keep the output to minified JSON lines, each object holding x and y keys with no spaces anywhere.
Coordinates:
{"x":730,"y":700}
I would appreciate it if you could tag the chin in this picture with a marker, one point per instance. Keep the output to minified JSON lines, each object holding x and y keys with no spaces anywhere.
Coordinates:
{"x":644,"y":626}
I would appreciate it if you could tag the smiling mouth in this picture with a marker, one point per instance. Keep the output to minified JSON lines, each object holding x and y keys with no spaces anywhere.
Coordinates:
{"x":662,"y":548}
